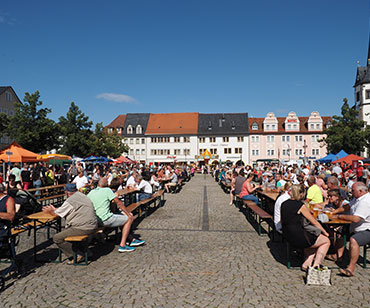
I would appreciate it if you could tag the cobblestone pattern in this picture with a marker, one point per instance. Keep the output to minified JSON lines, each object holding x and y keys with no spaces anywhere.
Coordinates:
{"x":183,"y":266}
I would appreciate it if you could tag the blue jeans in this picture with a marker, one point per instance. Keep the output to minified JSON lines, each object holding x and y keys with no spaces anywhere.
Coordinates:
{"x":37,"y":184}
{"x":251,"y":198}
{"x":143,"y":196}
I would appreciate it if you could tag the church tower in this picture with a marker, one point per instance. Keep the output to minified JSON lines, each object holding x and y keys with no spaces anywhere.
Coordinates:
{"x":362,"y":90}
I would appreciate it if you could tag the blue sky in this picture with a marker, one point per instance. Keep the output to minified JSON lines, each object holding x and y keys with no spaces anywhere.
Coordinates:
{"x":115,"y":57}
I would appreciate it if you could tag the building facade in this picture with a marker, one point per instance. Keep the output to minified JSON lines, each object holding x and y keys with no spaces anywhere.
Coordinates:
{"x":290,"y":138}
{"x":185,"y":137}
{"x":8,"y":98}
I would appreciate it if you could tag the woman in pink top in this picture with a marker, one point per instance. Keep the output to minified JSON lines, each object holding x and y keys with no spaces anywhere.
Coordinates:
{"x":248,"y":189}
{"x":321,"y":183}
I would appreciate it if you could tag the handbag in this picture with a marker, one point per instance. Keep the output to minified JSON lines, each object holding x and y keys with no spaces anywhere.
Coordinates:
{"x":318,"y":276}
{"x":310,"y":228}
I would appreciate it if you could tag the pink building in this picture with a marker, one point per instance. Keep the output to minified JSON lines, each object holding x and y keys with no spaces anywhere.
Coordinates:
{"x":290,"y":138}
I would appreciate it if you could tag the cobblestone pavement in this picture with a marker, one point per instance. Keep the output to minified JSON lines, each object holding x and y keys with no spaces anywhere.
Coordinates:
{"x":200,"y":252}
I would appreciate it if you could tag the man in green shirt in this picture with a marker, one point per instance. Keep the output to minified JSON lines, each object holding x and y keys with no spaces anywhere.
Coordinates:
{"x":101,"y":197}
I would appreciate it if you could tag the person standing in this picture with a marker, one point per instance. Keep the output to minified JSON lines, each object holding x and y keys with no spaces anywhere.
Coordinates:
{"x":26,"y":177}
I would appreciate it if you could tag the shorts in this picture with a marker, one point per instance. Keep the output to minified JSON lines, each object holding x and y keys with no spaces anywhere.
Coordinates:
{"x":116,"y":220}
{"x":362,"y":238}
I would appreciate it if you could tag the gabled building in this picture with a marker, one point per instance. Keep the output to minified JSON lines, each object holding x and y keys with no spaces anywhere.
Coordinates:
{"x":8,"y":98}
{"x":287,"y":138}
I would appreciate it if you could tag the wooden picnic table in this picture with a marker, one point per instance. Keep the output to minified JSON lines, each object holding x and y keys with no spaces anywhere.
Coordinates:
{"x":41,"y":220}
{"x":126,"y":191}
{"x":269,"y":194}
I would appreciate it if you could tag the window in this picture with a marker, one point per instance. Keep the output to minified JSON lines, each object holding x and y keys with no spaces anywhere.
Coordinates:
{"x":255,"y":126}
{"x":317,"y":126}
{"x":142,"y":151}
{"x":289,"y":126}
{"x":142,"y":140}
{"x":273,"y":126}
{"x":153,"y":152}
{"x":212,"y":139}
{"x":131,"y":140}
{"x":240,"y":139}
{"x":186,"y":151}
{"x":225,"y":139}
{"x":284,"y":152}
{"x":129,"y":130}
{"x":177,"y":151}
{"x":137,"y":141}
{"x":186,"y":139}
{"x":367,"y":94}
{"x":201,"y":151}
{"x":267,"y":126}
{"x":300,"y":151}
{"x":270,"y":138}
{"x":202,"y":139}
{"x":8,"y":97}
{"x":255,"y":152}
{"x":110,"y":130}
{"x":270,"y":152}
{"x":139,"y":130}
{"x":298,"y":138}
{"x":176,"y":139}
{"x":5,"y":110}
{"x":137,"y":151}
{"x":255,"y":138}
{"x":296,"y":152}
{"x":312,"y":126}
{"x":357,"y":96}
{"x":315,"y":152}
{"x":227,"y":150}
{"x":238,"y":151}
{"x":213,"y":151}
{"x":295,"y":126}
{"x":131,"y":152}
{"x":315,"y":138}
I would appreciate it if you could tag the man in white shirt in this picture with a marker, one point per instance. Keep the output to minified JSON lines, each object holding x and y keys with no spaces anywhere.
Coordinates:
{"x":81,"y":181}
{"x":360,"y":226}
{"x":145,"y":188}
{"x":131,"y":182}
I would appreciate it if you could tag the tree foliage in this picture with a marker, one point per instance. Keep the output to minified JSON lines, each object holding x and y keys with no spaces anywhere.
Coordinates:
{"x":347,"y":132}
{"x":76,"y":135}
{"x":4,"y":122}
{"x":107,"y":144}
{"x":31,"y":127}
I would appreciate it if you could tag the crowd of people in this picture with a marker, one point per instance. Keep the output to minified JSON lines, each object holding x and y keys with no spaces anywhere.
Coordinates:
{"x":308,"y":196}
{"x":90,"y":190}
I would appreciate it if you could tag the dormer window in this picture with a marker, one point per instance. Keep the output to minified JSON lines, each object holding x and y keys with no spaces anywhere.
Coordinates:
{"x":329,"y":124}
{"x":255,"y":126}
{"x":118,"y":130}
{"x":110,"y":130}
{"x":129,"y":130}
{"x":139,"y":130}
{"x":209,"y":125}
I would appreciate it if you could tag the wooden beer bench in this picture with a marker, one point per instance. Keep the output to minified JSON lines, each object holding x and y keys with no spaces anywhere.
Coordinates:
{"x":258,"y":212}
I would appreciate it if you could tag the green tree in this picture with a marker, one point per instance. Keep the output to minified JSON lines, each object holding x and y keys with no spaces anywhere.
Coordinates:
{"x":76,"y":135}
{"x":107,"y":144}
{"x":348,"y":132}
{"x":4,"y":122}
{"x":31,"y":127}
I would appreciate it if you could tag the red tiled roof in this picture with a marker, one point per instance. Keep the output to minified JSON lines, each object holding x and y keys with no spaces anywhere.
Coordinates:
{"x":118,"y":122}
{"x":303,"y":127}
{"x":172,"y":123}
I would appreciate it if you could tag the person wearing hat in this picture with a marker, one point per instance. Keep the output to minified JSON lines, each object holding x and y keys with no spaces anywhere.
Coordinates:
{"x":80,"y":219}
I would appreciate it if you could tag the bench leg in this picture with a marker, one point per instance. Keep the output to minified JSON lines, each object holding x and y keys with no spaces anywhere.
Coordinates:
{"x":288,"y":255}
{"x":364,"y":256}
{"x":259,"y":225}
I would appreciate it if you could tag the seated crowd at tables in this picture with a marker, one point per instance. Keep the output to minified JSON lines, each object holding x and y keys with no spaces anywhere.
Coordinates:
{"x":89,"y":196}
{"x":307,"y":198}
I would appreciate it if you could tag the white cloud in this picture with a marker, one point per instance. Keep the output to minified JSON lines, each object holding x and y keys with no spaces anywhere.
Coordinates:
{"x":120,"y":98}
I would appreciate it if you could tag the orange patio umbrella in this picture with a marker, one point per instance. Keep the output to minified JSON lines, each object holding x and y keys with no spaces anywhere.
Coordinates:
{"x":18,"y":154}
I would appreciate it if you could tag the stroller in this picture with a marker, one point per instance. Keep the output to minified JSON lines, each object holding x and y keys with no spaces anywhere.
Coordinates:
{"x":26,"y":204}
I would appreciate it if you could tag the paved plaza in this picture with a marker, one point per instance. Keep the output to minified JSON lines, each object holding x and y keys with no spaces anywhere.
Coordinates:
{"x":200,"y":252}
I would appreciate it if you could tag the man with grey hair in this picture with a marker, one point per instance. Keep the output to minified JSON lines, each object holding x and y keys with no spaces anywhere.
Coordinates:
{"x":360,"y":226}
{"x":80,"y":217}
{"x":145,"y":188}
{"x":333,"y":183}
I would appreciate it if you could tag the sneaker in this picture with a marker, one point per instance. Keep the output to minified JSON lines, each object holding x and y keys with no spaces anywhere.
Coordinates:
{"x":136,"y":242}
{"x":125,"y":249}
